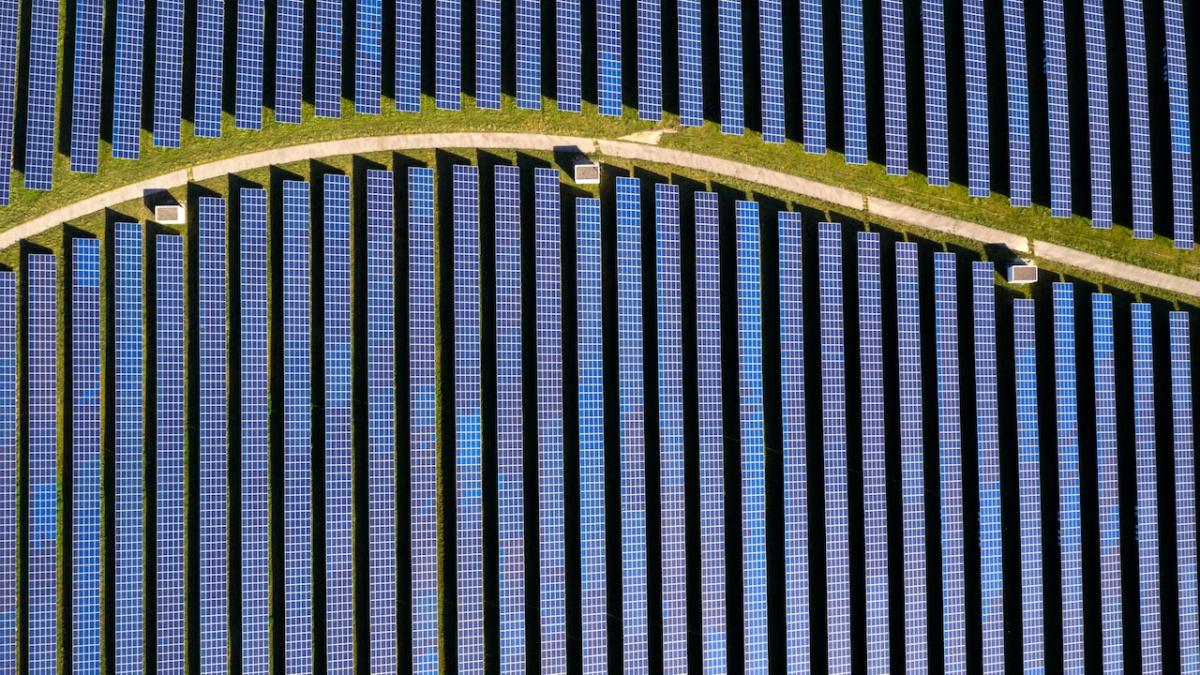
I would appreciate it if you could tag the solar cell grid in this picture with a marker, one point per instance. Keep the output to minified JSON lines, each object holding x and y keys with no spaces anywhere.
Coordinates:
{"x":42,"y":67}
{"x":169,"y":430}
{"x":1067,"y":423}
{"x":1098,"y":126}
{"x":649,"y":59}
{"x":289,"y":59}
{"x":978,"y":140}
{"x":1017,"y":78}
{"x":729,"y":18}
{"x":248,"y":105}
{"x":1185,"y":489}
{"x":937,"y":141}
{"x":1058,"y":108}
{"x":770,"y":19}
{"x":568,"y":59}
{"x":1108,"y":478}
{"x":41,"y":381}
{"x":954,"y":619}
{"x":608,"y":56}
{"x":1181,"y":140}
{"x":448,"y":55}
{"x":128,"y":441}
{"x":487,"y":54}
{"x":210,"y":44}
{"x":1139,"y":121}
{"x":85,"y":451}
{"x":328,"y":77}
{"x":9,"y":10}
{"x":127,"y":80}
{"x":85,"y":94}
{"x":912,"y":454}
{"x":812,"y":61}
{"x":895,"y":92}
{"x":408,"y":55}
{"x":1147,"y":492}
{"x":529,"y":54}
{"x":8,"y":472}
{"x":691,"y":63}
{"x":1033,"y":636}
{"x":991,"y":553}
{"x":368,"y":56}
{"x":854,"y":83}
{"x":168,"y":72}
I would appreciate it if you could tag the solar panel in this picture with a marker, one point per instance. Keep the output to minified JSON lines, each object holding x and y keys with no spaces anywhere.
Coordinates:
{"x":568,"y":59}
{"x":1139,"y":121}
{"x":127,"y":80}
{"x":408,"y":55}
{"x":328,"y":85}
{"x":592,"y":557}
{"x":381,"y":409}
{"x":895,"y":87}
{"x":213,"y":447}
{"x":812,"y":60}
{"x":649,"y":59}
{"x":169,"y":480}
{"x":368,"y":56}
{"x":551,"y":532}
{"x":949,"y":395}
{"x":976,"y":75}
{"x":168,"y":72}
{"x":874,"y":448}
{"x":912,"y":454}
{"x":795,"y":447}
{"x":289,"y":60}
{"x":85,"y":93}
{"x":1017,"y":79}
{"x":467,"y":436}
{"x":770,"y":20}
{"x":510,"y":472}
{"x":1098,"y":126}
{"x":529,"y":54}
{"x":487,"y":54}
{"x":833,"y":437}
{"x":937,"y":141}
{"x":255,"y":434}
{"x":608,"y":57}
{"x":9,"y":10}
{"x":1067,"y":423}
{"x":8,"y":472}
{"x":85,"y":454}
{"x":1030,"y":492}
{"x":691,"y":63}
{"x":210,"y":41}
{"x":1108,"y":480}
{"x":729,"y":17}
{"x":297,"y":429}
{"x":423,"y":423}
{"x":448,"y":56}
{"x":1058,"y":109}
{"x":128,"y":442}
{"x":1185,"y":489}
{"x":987,"y":429}
{"x":634,"y":613}
{"x":41,"y":376}
{"x":854,"y":83}
{"x":1147,"y":492}
{"x":248,"y":104}
{"x":1181,"y":140}
{"x":42,"y":66}
{"x":671,"y":461}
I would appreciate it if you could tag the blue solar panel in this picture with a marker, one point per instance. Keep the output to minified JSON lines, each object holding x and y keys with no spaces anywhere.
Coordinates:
{"x":854,"y":83}
{"x":812,"y":59}
{"x":9,"y":10}
{"x":949,"y":394}
{"x":42,"y":65}
{"x":1058,"y":108}
{"x":408,"y":55}
{"x":672,"y":485}
{"x":423,"y":423}
{"x":169,"y":433}
{"x":634,"y":612}
{"x":895,"y":87}
{"x":1098,"y":125}
{"x":289,"y":60}
{"x":912,"y":455}
{"x":368,"y":56}
{"x":937,"y":141}
{"x":1185,"y":490}
{"x":874,"y":449}
{"x":255,"y":434}
{"x":1108,"y":479}
{"x":510,"y":486}
{"x":487,"y":54}
{"x":248,"y":104}
{"x":1139,"y":121}
{"x":568,"y":61}
{"x":833,"y":438}
{"x":987,"y":429}
{"x":168,"y":72}
{"x":213,"y":448}
{"x":529,"y":54}
{"x":85,"y":457}
{"x":1017,"y":78}
{"x":381,"y":409}
{"x":1181,"y":139}
{"x":128,"y":441}
{"x":795,"y":447}
{"x":297,"y":430}
{"x":1030,"y":492}
{"x":328,"y":80}
{"x":975,"y":52}
{"x":691,"y":63}
{"x":467,"y":435}
{"x":729,"y":17}
{"x":608,"y":57}
{"x":770,"y":20}
{"x":551,"y":532}
{"x":41,"y":377}
{"x":448,"y":83}
{"x":8,"y":474}
{"x":649,"y":59}
{"x":85,"y":94}
{"x":1067,"y":423}
{"x":210,"y":44}
{"x":593,"y":586}
{"x":1147,"y":490}
{"x":127,"y":80}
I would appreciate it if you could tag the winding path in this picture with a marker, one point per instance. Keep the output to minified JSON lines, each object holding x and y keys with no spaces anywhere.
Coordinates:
{"x":623,"y":149}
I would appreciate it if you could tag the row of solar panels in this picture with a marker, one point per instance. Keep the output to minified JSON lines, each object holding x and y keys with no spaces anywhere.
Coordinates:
{"x":166,"y":95}
{"x":413,"y":583}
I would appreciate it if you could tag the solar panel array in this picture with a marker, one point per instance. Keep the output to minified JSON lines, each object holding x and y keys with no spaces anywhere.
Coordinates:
{"x":42,"y":64}
{"x":168,"y":74}
{"x":1139,"y":121}
{"x":1145,"y":451}
{"x":1107,"y":481}
{"x":368,"y":56}
{"x":912,"y":455}
{"x":1020,"y":181}
{"x":608,"y":57}
{"x":128,"y":442}
{"x":1058,"y":108}
{"x":649,"y":59}
{"x":1182,"y":428}
{"x":408,"y":55}
{"x":250,"y":55}
{"x":895,"y":92}
{"x":328,"y":80}
{"x":770,"y":55}
{"x":448,"y":84}
{"x":210,"y":45}
{"x":85,"y":456}
{"x":1033,"y":638}
{"x":169,"y":432}
{"x":529,"y":54}
{"x":487,"y":54}
{"x":1069,"y":518}
{"x":691,"y":63}
{"x":289,"y":60}
{"x":8,"y":472}
{"x":854,"y":83}
{"x":9,"y":12}
{"x":949,"y":425}
{"x":937,"y":116}
{"x":41,"y":411}
{"x":729,"y":18}
{"x":976,"y":78}
{"x":85,"y":92}
{"x":987,"y":429}
{"x":1181,"y":130}
{"x":812,"y":67}
{"x":568,"y":55}
{"x":1099,"y":141}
